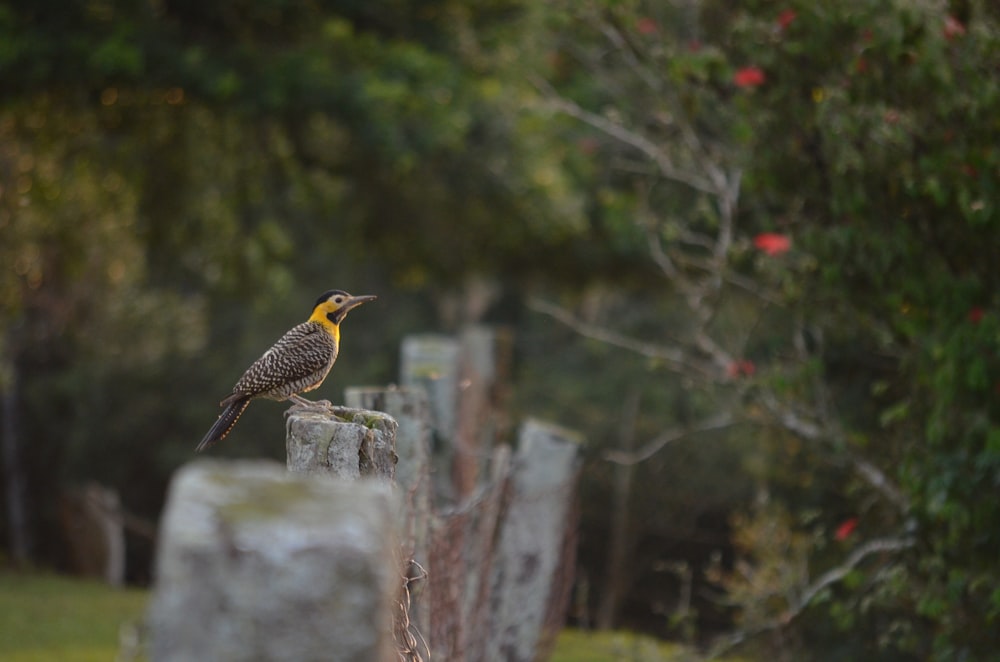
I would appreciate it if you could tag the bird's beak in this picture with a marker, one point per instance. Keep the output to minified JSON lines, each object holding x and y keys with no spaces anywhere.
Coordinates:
{"x":354,"y":302}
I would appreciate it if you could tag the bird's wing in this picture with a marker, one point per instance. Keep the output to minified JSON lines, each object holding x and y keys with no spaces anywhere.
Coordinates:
{"x":303,"y":351}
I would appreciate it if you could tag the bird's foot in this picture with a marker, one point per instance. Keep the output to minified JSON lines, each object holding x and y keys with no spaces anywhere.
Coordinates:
{"x":300,"y":403}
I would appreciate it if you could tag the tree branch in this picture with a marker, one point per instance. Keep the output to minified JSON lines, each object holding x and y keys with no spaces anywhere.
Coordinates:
{"x":877,"y":479}
{"x":615,"y":130}
{"x":834,"y":575}
{"x":650,"y":448}
{"x":809,"y":593}
{"x":812,"y":431}
{"x":674,"y":357}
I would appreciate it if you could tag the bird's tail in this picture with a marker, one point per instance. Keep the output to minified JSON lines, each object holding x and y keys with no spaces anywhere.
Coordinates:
{"x":235,"y":406}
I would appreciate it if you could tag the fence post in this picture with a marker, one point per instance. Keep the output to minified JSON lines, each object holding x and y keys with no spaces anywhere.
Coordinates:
{"x":256,"y":563}
{"x":346,"y":443}
{"x":536,"y":558}
{"x":467,"y":381}
{"x":430,"y":362}
{"x":410,"y":408}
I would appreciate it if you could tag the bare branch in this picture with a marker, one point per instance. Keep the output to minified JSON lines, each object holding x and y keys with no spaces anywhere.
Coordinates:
{"x":655,"y":84}
{"x":809,"y":593}
{"x":640,"y":142}
{"x":877,"y":479}
{"x":666,"y":264}
{"x":686,"y":236}
{"x":748,"y":285}
{"x":729,"y":192}
{"x":659,"y":256}
{"x":707,"y":343}
{"x":813,"y":431}
{"x":791,"y":420}
{"x":614,"y":36}
{"x":674,"y":357}
{"x":654,"y":445}
{"x":834,"y":575}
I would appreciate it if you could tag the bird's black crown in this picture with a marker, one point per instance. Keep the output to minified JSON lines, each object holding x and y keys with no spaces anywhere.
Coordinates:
{"x":329,"y":293}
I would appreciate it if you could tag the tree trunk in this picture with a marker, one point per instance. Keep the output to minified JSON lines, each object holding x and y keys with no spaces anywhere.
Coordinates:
{"x":615,"y":577}
{"x":15,"y":489}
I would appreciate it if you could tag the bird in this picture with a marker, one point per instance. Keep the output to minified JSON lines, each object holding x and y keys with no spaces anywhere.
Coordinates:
{"x":298,"y":362}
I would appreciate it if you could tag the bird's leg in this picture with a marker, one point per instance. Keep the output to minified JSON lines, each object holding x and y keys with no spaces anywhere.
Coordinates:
{"x":299,"y":403}
{"x":309,"y":404}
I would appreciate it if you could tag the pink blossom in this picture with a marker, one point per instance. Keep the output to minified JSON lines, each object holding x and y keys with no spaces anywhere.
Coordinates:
{"x":647,"y":26}
{"x":743,"y":367}
{"x":749,"y":77}
{"x":786,"y":18}
{"x":845,"y":529}
{"x":772,"y":243}
{"x":952,"y":28}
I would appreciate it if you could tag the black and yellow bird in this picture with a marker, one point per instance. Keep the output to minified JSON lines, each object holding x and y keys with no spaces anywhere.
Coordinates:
{"x":297,"y":363}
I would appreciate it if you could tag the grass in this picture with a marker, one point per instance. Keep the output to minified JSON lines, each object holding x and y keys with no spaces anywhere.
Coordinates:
{"x":580,"y":646}
{"x":48,"y":618}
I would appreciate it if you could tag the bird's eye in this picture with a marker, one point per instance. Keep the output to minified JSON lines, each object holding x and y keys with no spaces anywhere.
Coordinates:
{"x":338,"y":300}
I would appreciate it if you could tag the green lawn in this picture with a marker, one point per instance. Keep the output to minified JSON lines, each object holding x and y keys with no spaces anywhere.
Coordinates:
{"x":48,"y":618}
{"x":579,"y":646}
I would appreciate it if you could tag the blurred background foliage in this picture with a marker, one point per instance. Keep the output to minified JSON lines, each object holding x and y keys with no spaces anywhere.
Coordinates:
{"x":179,"y":180}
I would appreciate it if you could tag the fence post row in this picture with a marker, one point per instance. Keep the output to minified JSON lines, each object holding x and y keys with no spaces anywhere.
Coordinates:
{"x":401,"y":528}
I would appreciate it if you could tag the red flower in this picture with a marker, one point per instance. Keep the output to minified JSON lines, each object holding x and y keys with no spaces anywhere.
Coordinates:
{"x":845,"y":529}
{"x":749,"y":77}
{"x":952,"y":28}
{"x":976,"y":314}
{"x":772,"y":243}
{"x":646,"y":25}
{"x":742,"y":367}
{"x":786,"y":18}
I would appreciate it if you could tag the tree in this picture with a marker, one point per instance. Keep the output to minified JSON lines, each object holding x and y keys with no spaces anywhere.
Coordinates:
{"x":792,"y":170}
{"x":172,"y":171}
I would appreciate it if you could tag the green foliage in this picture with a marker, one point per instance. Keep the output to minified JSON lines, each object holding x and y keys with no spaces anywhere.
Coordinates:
{"x":178,"y":181}
{"x":867,"y":134}
{"x":869,"y":140}
{"x":875,"y":150}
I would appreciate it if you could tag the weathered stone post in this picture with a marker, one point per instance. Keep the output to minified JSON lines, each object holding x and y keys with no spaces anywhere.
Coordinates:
{"x":410,"y":409}
{"x":256,"y":563}
{"x":430,"y":362}
{"x":482,"y":418}
{"x":344,"y":442}
{"x":467,"y":382}
{"x":535,"y":558}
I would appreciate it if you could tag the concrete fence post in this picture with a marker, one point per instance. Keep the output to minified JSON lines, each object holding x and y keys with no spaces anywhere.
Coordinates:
{"x":256,"y":563}
{"x":410,"y":409}
{"x":533,"y":555}
{"x":344,"y":442}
